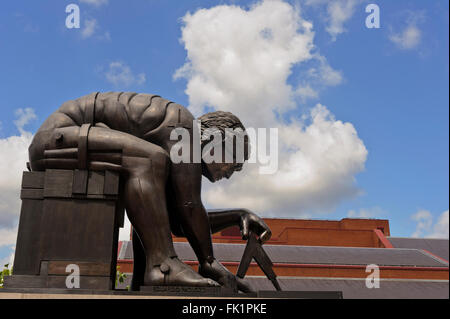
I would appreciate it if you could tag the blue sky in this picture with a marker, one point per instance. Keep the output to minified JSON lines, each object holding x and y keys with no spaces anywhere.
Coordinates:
{"x":390,"y":84}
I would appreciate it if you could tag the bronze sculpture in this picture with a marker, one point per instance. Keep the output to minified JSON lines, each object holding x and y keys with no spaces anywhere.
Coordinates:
{"x":129,"y":133}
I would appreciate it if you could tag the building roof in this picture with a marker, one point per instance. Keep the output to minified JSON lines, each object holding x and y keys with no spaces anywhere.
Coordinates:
{"x":320,"y":255}
{"x":438,"y":247}
{"x":356,"y":288}
{"x":313,"y":255}
{"x":352,"y":288}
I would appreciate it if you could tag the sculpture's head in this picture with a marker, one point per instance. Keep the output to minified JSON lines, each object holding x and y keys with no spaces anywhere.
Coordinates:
{"x":234,"y":140}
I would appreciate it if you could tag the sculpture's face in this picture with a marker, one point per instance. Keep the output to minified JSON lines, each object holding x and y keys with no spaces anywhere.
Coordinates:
{"x":217,"y":171}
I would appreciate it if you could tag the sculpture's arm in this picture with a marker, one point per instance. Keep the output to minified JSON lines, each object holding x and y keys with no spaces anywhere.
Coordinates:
{"x":246,"y":220}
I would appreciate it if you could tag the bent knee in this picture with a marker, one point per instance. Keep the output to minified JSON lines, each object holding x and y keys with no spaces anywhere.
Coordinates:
{"x":53,"y":139}
{"x":155,"y":162}
{"x":160,"y":156}
{"x":160,"y":161}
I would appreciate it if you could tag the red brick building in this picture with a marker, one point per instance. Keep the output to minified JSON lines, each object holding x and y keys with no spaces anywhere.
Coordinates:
{"x":333,"y":255}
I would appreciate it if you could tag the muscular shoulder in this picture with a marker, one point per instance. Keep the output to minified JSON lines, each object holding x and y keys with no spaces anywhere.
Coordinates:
{"x":70,"y":113}
{"x":77,"y":109}
{"x":141,"y":112}
{"x":134,"y":113}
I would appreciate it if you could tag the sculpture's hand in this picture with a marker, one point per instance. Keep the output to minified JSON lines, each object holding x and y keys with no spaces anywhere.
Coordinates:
{"x":252,"y":222}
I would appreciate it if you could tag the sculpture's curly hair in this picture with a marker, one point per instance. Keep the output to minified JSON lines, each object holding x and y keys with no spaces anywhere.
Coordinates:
{"x":220,"y":120}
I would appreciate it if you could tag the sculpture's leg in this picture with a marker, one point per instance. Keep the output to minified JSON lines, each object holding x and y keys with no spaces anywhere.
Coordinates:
{"x":139,"y":262}
{"x":144,"y":168}
{"x":196,"y":229}
{"x":145,"y":202}
{"x":194,"y":222}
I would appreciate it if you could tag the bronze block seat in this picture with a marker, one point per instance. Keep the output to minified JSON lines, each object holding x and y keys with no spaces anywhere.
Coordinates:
{"x":68,"y":217}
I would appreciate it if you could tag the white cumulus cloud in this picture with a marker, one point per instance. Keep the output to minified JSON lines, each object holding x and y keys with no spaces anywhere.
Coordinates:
{"x":306,"y":92}
{"x":239,"y":60}
{"x":24,"y":116}
{"x":13,"y":157}
{"x":410,"y":36}
{"x":120,"y":74}
{"x":96,"y":3}
{"x":427,"y":228}
{"x":8,"y":236}
{"x":89,"y":27}
{"x":124,"y":232}
{"x":338,"y":13}
{"x":374,"y":212}
{"x":317,"y":164}
{"x":407,"y":39}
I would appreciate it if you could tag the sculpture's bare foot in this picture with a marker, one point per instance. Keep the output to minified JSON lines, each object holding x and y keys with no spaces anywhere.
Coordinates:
{"x":173,"y":272}
{"x":223,"y":276}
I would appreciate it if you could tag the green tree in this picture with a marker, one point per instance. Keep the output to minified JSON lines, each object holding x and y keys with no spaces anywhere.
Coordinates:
{"x":120,"y":276}
{"x":5,"y":272}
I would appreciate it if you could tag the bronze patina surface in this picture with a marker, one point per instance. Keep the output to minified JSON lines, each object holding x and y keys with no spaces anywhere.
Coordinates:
{"x":129,"y":133}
